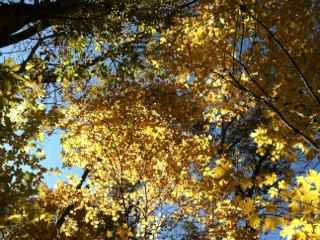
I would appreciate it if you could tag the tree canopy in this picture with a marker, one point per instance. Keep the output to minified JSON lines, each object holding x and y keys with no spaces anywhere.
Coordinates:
{"x":190,"y":119}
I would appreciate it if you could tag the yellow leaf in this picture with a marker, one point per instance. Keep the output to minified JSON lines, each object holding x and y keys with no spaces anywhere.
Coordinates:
{"x":270,"y":223}
{"x":245,"y":183}
{"x":254,"y":221}
{"x":109,"y":234}
{"x":270,"y":179}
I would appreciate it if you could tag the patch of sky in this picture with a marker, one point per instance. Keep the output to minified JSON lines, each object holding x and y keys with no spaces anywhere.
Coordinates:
{"x":242,"y":46}
{"x":302,"y":164}
{"x":174,"y":229}
{"x":52,"y":148}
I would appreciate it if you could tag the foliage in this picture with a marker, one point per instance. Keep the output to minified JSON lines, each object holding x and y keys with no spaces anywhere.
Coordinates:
{"x":198,"y":120}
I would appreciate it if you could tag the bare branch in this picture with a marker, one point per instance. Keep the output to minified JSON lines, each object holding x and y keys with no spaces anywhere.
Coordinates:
{"x":12,"y":39}
{"x":188,"y":4}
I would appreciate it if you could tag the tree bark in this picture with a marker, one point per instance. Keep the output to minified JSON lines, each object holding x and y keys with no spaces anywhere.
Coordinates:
{"x":19,"y":21}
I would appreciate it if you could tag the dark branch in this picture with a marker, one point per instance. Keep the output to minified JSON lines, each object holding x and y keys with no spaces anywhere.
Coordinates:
{"x":32,"y":52}
{"x":188,"y":4}
{"x":12,"y":39}
{"x":15,"y":16}
{"x":302,"y":76}
{"x":67,"y":210}
{"x":268,"y":103}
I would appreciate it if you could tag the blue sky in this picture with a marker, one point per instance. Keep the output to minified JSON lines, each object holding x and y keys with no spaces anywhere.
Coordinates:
{"x":52,"y":148}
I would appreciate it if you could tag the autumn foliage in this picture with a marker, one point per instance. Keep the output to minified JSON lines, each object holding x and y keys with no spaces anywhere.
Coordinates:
{"x":190,"y":120}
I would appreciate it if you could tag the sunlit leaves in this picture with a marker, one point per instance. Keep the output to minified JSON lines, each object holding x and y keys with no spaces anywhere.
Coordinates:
{"x":208,"y":115}
{"x":139,"y":149}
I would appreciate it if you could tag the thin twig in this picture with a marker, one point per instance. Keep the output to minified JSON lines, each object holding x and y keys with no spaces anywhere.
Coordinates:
{"x":241,"y":42}
{"x":188,"y":4}
{"x":266,"y":101}
{"x":234,"y":44}
{"x":302,"y":76}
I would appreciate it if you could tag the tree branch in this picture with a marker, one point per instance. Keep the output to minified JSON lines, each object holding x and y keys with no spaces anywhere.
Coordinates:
{"x":14,"y":16}
{"x":68,"y":209}
{"x":32,"y":52}
{"x":188,"y":4}
{"x":12,"y":39}
{"x":303,"y":78}
{"x":266,"y":101}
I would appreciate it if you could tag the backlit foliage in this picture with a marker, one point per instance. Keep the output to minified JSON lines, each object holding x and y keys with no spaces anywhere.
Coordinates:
{"x":140,"y":151}
{"x":202,"y":125}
